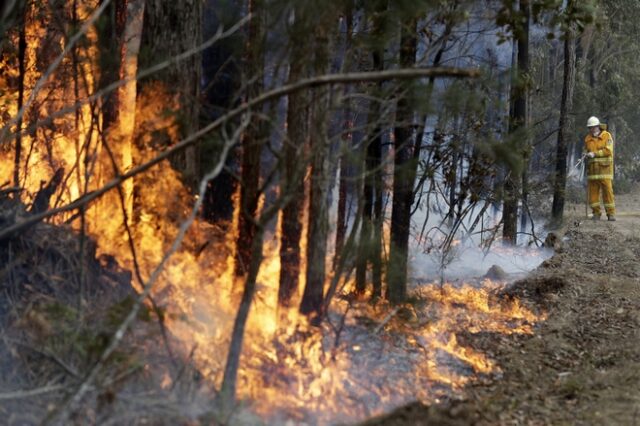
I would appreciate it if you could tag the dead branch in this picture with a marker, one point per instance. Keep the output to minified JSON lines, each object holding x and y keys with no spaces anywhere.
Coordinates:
{"x":48,"y":354}
{"x":31,"y":392}
{"x":386,"y":320}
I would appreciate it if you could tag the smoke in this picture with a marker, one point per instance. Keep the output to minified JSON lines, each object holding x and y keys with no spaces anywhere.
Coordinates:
{"x":468,"y":262}
{"x":471,"y":251}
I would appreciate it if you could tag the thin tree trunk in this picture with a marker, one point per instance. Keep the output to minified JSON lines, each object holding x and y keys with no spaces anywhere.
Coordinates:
{"x":566,"y":105}
{"x":341,"y":222}
{"x":293,"y":150}
{"x":405,"y":170}
{"x":22,"y":47}
{"x":517,"y":122}
{"x":370,"y":245}
{"x":312,"y":299}
{"x":251,"y":142}
{"x":378,"y":218}
{"x":229,"y":380}
{"x":404,"y":176}
{"x":112,"y":59}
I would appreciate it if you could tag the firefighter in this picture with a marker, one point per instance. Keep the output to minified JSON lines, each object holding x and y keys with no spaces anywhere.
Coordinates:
{"x":598,"y":145}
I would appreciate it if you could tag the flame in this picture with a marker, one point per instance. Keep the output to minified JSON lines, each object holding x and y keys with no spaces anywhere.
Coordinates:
{"x":292,"y":372}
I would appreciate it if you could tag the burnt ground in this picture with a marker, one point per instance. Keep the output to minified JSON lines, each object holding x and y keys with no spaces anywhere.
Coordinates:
{"x":582,"y":364}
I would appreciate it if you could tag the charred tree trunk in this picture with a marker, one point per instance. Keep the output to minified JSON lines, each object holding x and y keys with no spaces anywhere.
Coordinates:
{"x":312,"y":299}
{"x":226,"y":397}
{"x":370,"y":239}
{"x":404,"y":176}
{"x":293,"y":150}
{"x":181,"y":79}
{"x":251,"y":141}
{"x":516,"y":123}
{"x":378,"y":216}
{"x":341,"y":222}
{"x":111,"y":59}
{"x":566,"y":105}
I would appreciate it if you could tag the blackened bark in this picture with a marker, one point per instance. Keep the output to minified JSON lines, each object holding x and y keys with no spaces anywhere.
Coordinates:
{"x":183,"y":78}
{"x":112,"y":62}
{"x":293,"y":150}
{"x":341,"y":222}
{"x":252,"y":142}
{"x":566,"y":105}
{"x":517,"y":122}
{"x":404,"y":176}
{"x":370,"y":239}
{"x":313,"y":296}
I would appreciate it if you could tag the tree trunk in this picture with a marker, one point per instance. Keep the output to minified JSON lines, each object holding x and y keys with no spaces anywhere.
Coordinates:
{"x":251,"y":141}
{"x":342,"y":219}
{"x":566,"y":105}
{"x":293,"y":152}
{"x":516,"y":123}
{"x":404,"y":176}
{"x":229,"y":380}
{"x":228,"y":387}
{"x":407,"y":158}
{"x":112,"y":59}
{"x":22,"y":47}
{"x":181,"y":79}
{"x":370,"y":243}
{"x":312,"y":299}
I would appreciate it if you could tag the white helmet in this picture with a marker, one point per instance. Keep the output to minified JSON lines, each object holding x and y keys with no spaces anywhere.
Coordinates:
{"x":593,"y":121}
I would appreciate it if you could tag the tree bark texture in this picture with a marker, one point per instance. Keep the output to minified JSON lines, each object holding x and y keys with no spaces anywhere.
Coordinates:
{"x":404,"y":176}
{"x":313,"y":296}
{"x":517,"y":121}
{"x":182,"y":79}
{"x":294,"y":151}
{"x":566,"y":104}
{"x":252,"y":140}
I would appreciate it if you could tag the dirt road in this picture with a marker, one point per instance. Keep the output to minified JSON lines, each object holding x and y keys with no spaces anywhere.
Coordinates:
{"x":582,"y":365}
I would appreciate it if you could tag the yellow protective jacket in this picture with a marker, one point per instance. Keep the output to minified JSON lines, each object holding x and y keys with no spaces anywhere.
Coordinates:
{"x":600,"y":167}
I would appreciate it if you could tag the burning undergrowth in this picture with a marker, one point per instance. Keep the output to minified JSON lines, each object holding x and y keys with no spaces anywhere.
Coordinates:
{"x":363,"y":360}
{"x":368,"y":359}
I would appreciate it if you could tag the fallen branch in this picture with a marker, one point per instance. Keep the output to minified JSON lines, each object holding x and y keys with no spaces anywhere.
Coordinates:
{"x":386,"y":320}
{"x":31,"y":392}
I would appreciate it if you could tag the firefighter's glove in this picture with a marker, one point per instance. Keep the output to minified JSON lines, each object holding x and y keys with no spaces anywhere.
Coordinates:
{"x":591,"y":154}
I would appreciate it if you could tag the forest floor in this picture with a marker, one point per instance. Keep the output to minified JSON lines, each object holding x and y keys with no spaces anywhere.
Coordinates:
{"x":582,"y":364}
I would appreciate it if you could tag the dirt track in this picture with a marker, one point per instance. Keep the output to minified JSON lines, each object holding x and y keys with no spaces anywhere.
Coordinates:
{"x":582,"y":365}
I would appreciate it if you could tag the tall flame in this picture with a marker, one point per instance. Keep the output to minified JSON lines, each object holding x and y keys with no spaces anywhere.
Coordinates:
{"x":339,"y":372}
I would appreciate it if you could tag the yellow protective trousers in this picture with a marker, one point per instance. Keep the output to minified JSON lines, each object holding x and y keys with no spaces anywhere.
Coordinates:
{"x":606,"y":186}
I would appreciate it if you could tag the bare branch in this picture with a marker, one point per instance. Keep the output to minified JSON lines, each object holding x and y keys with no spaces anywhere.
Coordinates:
{"x":407,"y":73}
{"x":31,"y":392}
